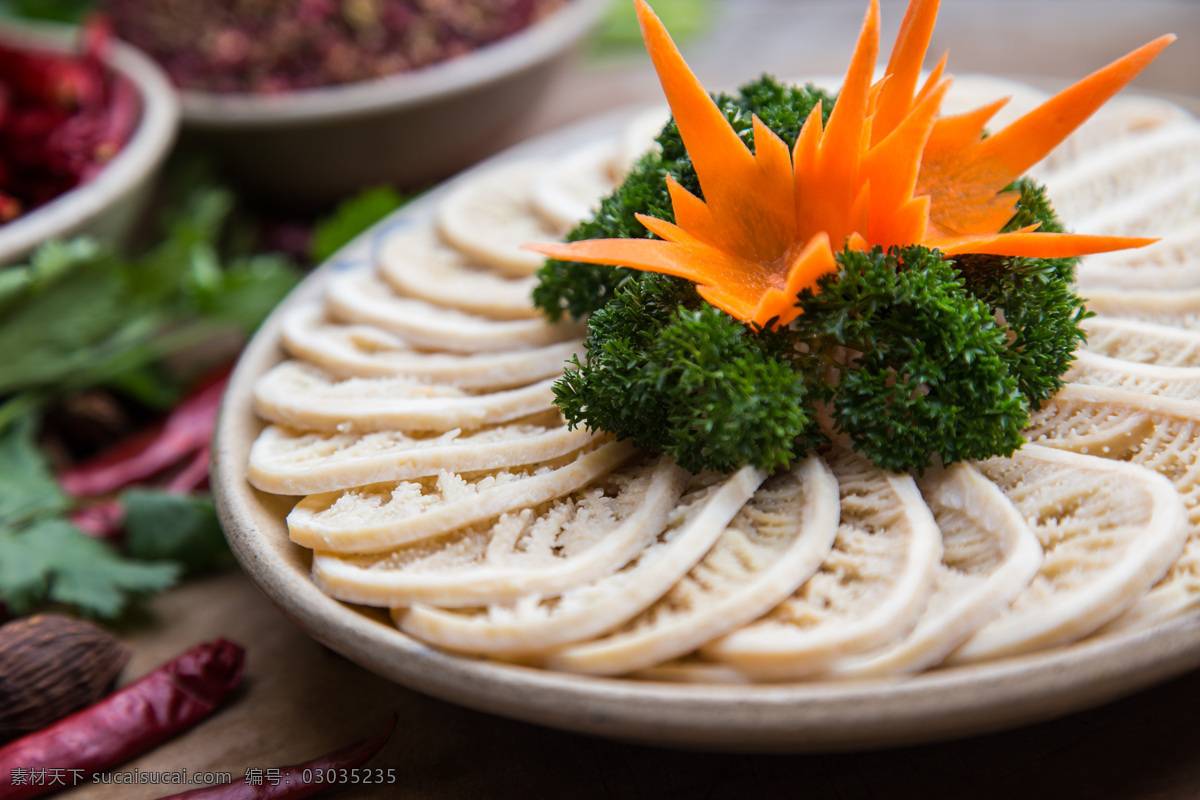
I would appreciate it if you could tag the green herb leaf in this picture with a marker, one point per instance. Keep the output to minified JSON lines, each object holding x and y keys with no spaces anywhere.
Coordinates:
{"x":172,"y":527}
{"x":351,"y":218}
{"x":27,"y":488}
{"x":51,"y":262}
{"x":78,"y":315}
{"x":55,"y":10}
{"x":42,"y":556}
{"x":45,"y":329}
{"x":246,"y":291}
{"x":53,"y":560}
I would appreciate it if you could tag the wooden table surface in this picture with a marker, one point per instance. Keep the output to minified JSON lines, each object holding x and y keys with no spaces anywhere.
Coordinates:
{"x":300,"y":699}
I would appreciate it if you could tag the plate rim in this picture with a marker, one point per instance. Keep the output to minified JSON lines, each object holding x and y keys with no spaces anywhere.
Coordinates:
{"x":815,"y":716}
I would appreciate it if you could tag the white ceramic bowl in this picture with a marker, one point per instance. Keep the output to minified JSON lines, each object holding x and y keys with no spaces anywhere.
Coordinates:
{"x":108,"y":206}
{"x":310,"y":147}
{"x":812,"y":716}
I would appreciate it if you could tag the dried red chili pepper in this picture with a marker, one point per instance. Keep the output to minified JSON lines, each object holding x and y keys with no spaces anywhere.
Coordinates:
{"x":128,"y":722}
{"x":122,"y":117}
{"x":186,"y":431}
{"x":298,"y":780}
{"x":96,"y":39}
{"x":180,"y":442}
{"x":62,"y":118}
{"x":194,"y":476}
{"x":100,"y":520}
{"x":5,"y":105}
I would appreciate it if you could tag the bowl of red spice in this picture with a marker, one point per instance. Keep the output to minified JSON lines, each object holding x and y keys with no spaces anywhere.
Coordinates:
{"x":85,"y":123}
{"x":306,"y":101}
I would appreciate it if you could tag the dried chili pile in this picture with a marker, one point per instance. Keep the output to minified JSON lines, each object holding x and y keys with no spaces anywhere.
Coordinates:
{"x":62,"y":118}
{"x":268,"y":46}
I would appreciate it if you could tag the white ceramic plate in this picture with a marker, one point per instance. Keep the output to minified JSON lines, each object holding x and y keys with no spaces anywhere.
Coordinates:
{"x":796,"y":717}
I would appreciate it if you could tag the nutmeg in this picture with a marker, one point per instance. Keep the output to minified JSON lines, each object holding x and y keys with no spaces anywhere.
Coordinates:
{"x":51,"y":666}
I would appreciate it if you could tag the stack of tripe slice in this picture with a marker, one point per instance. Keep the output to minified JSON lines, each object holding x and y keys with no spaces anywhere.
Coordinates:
{"x":416,"y":424}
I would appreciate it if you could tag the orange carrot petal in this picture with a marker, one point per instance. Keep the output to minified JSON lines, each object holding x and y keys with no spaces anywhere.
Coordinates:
{"x":829,"y":183}
{"x":904,"y":67}
{"x":907,"y":224}
{"x":956,"y":133}
{"x":962,"y":188}
{"x":671,"y":233}
{"x":780,"y":303}
{"x":692,"y":214}
{"x":1027,"y":141}
{"x":805,"y":156}
{"x":754,"y":208}
{"x":748,"y":196}
{"x":640,"y":254}
{"x":1031,"y":244}
{"x":689,"y":259}
{"x":713,"y":145}
{"x":736,"y":307}
{"x":774,"y":189}
{"x":774,"y":305}
{"x":892,"y":166}
{"x":963,"y":174}
{"x":933,"y":80}
{"x":814,"y":261}
{"x":842,"y":142}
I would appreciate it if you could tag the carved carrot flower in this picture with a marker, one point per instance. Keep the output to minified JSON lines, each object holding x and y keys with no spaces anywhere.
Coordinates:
{"x":886,"y":170}
{"x":963,"y":173}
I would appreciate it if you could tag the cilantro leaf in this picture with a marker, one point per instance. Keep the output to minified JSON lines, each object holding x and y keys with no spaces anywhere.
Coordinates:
{"x":180,"y":528}
{"x":351,"y":218}
{"x":53,"y":560}
{"x":27,"y":488}
{"x":79,"y":315}
{"x":24,"y":571}
{"x":246,"y":290}
{"x":43,"y":329}
{"x":44,"y":557}
{"x":51,"y":262}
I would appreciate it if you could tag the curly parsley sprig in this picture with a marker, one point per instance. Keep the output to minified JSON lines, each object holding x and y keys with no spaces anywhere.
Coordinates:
{"x":925,"y":372}
{"x":679,"y":376}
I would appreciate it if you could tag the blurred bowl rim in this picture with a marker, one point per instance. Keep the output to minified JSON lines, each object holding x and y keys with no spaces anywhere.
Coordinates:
{"x":487,"y":64}
{"x":141,"y":156}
